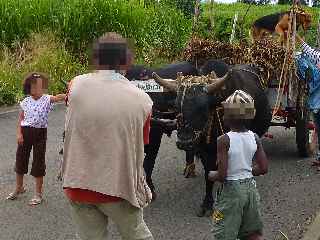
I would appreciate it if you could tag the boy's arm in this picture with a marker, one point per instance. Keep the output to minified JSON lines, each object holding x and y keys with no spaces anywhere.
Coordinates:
{"x":57,"y":98}
{"x":260,"y":166}
{"x":223,"y":144}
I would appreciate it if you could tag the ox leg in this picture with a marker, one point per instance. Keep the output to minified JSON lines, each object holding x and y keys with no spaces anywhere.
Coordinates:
{"x":206,"y":208}
{"x":189,"y":170}
{"x":151,"y":151}
{"x":208,"y":157}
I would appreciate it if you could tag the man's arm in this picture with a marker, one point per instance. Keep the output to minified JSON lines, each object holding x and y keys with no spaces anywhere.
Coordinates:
{"x":146,"y":130}
{"x":312,"y":54}
{"x":223,"y":144}
{"x":260,"y":166}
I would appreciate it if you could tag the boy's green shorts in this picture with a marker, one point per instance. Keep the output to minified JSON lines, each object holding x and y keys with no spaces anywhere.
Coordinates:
{"x":237,"y":210}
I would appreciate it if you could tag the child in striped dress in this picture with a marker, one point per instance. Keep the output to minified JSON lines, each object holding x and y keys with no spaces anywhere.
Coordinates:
{"x":32,"y":134}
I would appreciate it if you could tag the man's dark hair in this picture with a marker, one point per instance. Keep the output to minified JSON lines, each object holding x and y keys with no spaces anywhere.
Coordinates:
{"x":111,"y":51}
{"x":31,"y":78}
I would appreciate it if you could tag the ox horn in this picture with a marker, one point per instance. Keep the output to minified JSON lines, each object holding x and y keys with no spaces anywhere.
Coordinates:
{"x":217,"y":83}
{"x":171,"y":85}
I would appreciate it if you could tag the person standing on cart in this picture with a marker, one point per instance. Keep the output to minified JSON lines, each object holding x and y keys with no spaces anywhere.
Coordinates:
{"x":313,"y":56}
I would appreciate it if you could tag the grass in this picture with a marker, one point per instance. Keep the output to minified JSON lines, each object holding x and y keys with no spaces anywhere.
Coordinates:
{"x":43,"y":53}
{"x":157,"y":28}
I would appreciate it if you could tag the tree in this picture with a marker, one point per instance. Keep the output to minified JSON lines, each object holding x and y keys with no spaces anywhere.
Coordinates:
{"x":316,"y":3}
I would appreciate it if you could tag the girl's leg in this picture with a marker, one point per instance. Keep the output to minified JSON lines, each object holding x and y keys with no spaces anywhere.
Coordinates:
{"x":39,"y":184}
{"x":19,"y":188}
{"x":19,"y":183}
{"x":37,"y":198}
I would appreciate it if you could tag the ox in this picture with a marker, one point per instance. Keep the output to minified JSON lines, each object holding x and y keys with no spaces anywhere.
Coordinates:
{"x":162,"y":114}
{"x":197,"y":102}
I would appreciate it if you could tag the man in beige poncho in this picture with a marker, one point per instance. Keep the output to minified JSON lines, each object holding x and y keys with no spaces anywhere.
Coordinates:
{"x":107,"y":125}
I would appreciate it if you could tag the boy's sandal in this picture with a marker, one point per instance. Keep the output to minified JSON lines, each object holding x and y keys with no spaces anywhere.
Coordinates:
{"x":36,"y":200}
{"x":14,"y":195}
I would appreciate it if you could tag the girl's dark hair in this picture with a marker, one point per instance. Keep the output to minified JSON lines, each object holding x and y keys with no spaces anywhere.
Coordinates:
{"x":31,"y":78}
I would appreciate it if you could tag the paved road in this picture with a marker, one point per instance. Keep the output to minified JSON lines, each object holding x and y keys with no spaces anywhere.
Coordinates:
{"x":290,"y":192}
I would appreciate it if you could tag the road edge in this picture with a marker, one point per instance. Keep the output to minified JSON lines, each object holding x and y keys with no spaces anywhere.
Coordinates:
{"x":9,"y":109}
{"x":313,"y":232}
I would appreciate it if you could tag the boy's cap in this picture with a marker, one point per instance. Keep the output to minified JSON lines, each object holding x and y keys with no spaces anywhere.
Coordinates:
{"x":240,"y":105}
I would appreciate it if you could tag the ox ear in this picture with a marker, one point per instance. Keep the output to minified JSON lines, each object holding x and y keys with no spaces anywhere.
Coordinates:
{"x":217,"y":84}
{"x":171,"y":85}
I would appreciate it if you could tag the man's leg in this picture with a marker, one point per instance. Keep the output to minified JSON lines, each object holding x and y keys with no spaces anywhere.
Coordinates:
{"x":316,"y":116}
{"x":92,"y":224}
{"x":128,"y":219}
{"x":151,"y":151}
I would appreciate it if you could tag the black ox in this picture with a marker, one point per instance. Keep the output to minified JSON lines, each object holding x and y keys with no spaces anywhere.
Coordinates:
{"x":199,"y":121}
{"x":163,"y":114}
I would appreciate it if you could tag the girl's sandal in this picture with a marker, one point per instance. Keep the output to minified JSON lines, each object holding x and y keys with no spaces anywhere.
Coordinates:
{"x":14,"y":195}
{"x":36,"y":200}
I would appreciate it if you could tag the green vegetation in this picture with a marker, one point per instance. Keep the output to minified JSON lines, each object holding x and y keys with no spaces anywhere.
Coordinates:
{"x":43,"y":53}
{"x":223,"y":15}
{"x":78,"y":22}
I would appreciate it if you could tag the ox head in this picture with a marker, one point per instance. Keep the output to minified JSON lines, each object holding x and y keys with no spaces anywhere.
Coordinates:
{"x":193,"y":104}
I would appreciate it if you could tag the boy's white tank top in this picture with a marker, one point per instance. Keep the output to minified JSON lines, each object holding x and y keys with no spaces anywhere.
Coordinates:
{"x":242,"y":149}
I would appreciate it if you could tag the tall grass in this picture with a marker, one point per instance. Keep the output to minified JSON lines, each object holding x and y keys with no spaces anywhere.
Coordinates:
{"x":43,"y":53}
{"x":78,"y":22}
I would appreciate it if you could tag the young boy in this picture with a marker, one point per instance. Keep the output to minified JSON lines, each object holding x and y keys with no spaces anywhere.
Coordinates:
{"x":240,"y":157}
{"x":32,"y":133}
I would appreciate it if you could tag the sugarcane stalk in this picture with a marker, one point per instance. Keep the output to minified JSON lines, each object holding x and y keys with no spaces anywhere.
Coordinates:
{"x":235,"y":19}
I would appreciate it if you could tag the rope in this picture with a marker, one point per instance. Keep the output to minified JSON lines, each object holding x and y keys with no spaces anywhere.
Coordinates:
{"x":284,"y":69}
{"x":221,"y":128}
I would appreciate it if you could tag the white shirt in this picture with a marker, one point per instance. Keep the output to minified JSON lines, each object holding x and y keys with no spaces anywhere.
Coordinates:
{"x":36,"y":111}
{"x":242,"y":149}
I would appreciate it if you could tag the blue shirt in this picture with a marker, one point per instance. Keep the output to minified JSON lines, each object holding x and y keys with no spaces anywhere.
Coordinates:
{"x":309,"y":59}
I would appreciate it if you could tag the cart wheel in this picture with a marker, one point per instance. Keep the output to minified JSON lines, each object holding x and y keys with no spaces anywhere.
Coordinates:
{"x":306,"y":135}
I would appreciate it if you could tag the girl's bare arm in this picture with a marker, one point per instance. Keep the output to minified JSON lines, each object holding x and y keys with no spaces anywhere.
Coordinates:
{"x":57,"y":98}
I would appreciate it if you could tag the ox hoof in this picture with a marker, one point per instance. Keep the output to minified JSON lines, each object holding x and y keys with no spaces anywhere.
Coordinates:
{"x":189,"y":170}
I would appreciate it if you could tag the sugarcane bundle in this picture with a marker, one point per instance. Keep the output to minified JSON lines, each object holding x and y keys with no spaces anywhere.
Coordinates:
{"x":267,"y":54}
